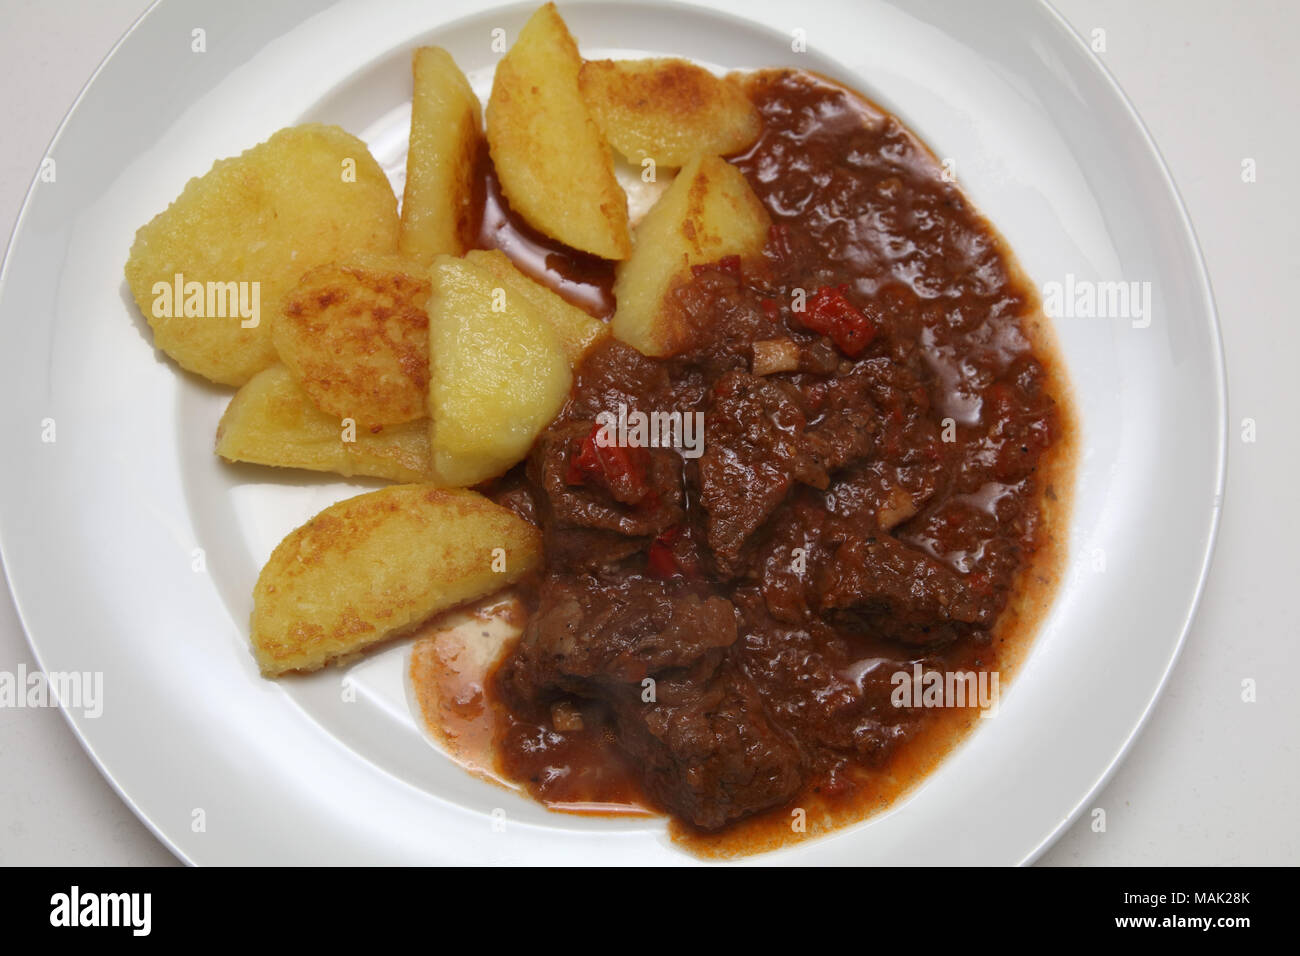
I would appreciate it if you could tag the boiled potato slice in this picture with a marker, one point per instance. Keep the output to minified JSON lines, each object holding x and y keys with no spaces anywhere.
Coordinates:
{"x":271,"y":421}
{"x":498,"y":373}
{"x":446,"y":129}
{"x":356,"y":337}
{"x":577,"y":330}
{"x":550,"y":157}
{"x":667,"y":110}
{"x":374,"y":566}
{"x":707,"y":213}
{"x":307,"y":196}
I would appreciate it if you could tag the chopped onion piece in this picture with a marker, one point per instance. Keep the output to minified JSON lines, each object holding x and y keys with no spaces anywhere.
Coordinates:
{"x":775,"y":355}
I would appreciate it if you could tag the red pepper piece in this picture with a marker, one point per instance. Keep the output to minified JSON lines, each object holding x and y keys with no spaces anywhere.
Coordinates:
{"x":830,"y":313}
{"x":661,"y":560}
{"x":727,"y":264}
{"x":620,"y":470}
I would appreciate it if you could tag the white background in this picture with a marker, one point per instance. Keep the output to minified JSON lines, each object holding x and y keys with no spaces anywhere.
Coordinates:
{"x":1212,"y":779}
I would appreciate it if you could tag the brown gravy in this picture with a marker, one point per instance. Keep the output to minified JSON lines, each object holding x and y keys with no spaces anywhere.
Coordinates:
{"x":585,"y":280}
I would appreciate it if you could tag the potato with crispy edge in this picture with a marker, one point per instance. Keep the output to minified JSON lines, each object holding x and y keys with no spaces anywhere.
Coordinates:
{"x":356,"y":337}
{"x":271,"y":421}
{"x":498,"y":373}
{"x":668,"y":110}
{"x":578,"y":331}
{"x":446,"y":130}
{"x":307,"y":196}
{"x":374,"y":566}
{"x":709,"y":212}
{"x":553,"y":164}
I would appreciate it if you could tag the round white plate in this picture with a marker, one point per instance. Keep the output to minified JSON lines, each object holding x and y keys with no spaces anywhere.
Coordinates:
{"x":100,"y":526}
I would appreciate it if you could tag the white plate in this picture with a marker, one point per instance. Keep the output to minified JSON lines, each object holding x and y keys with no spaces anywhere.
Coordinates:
{"x":99,"y":527}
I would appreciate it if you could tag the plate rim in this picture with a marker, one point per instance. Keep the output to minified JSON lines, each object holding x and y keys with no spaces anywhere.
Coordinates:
{"x":1221,"y":433}
{"x":5,"y":550}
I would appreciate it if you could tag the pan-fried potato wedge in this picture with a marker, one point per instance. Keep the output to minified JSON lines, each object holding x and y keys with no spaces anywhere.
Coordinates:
{"x":577,"y":330}
{"x":550,"y":157}
{"x":667,"y":110}
{"x":356,"y":337}
{"x":372,"y":567}
{"x":446,"y":129}
{"x":707,"y":213}
{"x":498,"y":373}
{"x":307,"y":196}
{"x":271,"y":421}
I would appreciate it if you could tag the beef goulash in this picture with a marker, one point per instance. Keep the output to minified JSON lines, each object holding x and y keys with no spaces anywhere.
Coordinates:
{"x":868,"y":494}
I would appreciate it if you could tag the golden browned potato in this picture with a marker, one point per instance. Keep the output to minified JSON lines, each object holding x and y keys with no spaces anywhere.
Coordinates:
{"x":498,"y":373}
{"x":239,"y":237}
{"x":356,"y":337}
{"x":550,"y":157}
{"x":578,"y":331}
{"x":375,"y":566}
{"x":446,"y":129}
{"x":271,"y":421}
{"x":667,"y":110}
{"x":707,"y":213}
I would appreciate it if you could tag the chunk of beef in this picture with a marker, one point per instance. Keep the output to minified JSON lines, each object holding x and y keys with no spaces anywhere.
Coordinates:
{"x":786,"y":561}
{"x":900,"y":593}
{"x":707,"y":750}
{"x":847,"y":420}
{"x":612,"y":374}
{"x":705,"y":747}
{"x":756,"y":449}
{"x":844,"y":704}
{"x":722,"y":317}
{"x":586,"y":523}
{"x":588,"y":634}
{"x":513,"y":490}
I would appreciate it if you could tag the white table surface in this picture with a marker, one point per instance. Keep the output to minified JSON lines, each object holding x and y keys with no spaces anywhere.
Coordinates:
{"x":1212,"y":780}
